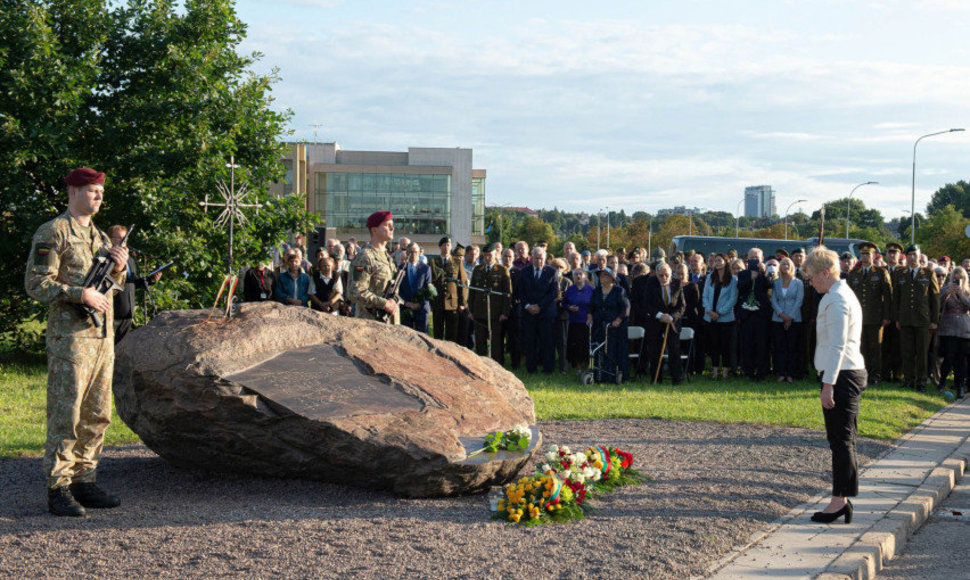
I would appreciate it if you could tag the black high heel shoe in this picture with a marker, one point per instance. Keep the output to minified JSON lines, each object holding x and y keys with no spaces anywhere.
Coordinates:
{"x":825,"y":518}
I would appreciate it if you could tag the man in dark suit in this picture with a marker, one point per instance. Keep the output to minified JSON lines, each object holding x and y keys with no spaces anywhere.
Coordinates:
{"x":417,"y":278}
{"x":124,"y":301}
{"x":537,"y":293}
{"x":259,"y":281}
{"x":663,"y":309}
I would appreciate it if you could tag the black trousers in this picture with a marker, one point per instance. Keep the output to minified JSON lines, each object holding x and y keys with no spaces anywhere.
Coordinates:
{"x":537,"y":342}
{"x":122,"y":327}
{"x":560,"y":332}
{"x":511,"y":329}
{"x":786,"y":344}
{"x":956,"y":356}
{"x":720,"y":343}
{"x":840,"y":429}
{"x":655,"y":341}
{"x":438,"y":321}
{"x":753,"y":339}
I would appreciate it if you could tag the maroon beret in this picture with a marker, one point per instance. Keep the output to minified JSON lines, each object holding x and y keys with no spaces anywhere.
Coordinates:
{"x":84,"y":176}
{"x":378,"y":217}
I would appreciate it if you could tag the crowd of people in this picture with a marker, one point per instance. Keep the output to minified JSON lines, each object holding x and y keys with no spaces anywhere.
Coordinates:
{"x":748,"y":314}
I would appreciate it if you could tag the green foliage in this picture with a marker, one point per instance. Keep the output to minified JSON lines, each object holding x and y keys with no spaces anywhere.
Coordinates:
{"x":533,"y":229}
{"x":154,"y":93}
{"x":942,"y":234}
{"x":953,"y":194}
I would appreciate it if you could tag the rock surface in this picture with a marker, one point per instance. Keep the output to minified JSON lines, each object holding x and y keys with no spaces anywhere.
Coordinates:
{"x":289,"y":392}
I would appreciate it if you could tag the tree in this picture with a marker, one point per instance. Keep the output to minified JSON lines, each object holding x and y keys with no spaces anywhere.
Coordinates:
{"x":533,"y":229}
{"x":954,"y":194}
{"x":942,"y":234}
{"x":156,"y":95}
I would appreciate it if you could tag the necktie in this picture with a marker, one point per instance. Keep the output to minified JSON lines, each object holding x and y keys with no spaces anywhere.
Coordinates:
{"x":914,"y":273}
{"x":537,"y":274}
{"x":666,"y":296}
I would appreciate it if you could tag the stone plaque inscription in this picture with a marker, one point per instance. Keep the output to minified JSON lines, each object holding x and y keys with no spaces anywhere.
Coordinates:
{"x":319,"y":383}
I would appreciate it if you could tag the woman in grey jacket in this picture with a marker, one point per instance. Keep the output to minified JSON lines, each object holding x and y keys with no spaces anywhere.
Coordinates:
{"x":787,"y":295}
{"x":954,"y":329}
{"x":838,"y":327}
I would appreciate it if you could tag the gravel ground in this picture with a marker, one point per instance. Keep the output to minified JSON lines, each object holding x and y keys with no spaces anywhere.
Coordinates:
{"x":713,"y":486}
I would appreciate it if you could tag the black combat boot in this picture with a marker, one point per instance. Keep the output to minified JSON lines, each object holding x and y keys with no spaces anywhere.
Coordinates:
{"x":91,"y":496}
{"x":60,"y":502}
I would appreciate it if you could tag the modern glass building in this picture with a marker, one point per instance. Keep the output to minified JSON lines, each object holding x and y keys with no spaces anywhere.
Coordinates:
{"x":431,"y":191}
{"x":759,"y":201}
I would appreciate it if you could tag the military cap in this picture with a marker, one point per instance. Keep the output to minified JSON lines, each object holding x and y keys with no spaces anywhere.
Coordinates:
{"x":781,"y":252}
{"x":84,"y":176}
{"x":798,"y":251}
{"x":488,"y":248}
{"x":444,"y":240}
{"x":458,"y":250}
{"x":868,"y":248}
{"x":659,"y":253}
{"x":846,"y":256}
{"x":944,"y":259}
{"x":378,"y":217}
{"x":893,"y":246}
{"x":912,"y":248}
{"x":586,"y":253}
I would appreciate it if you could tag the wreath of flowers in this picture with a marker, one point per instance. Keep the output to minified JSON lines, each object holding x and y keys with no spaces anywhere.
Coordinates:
{"x":560,"y":488}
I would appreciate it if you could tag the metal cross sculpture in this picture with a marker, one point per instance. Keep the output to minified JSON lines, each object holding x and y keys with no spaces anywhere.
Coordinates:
{"x":233,"y":202}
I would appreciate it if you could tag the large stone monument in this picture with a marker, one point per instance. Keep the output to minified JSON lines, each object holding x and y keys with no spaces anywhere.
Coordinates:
{"x":289,"y":392}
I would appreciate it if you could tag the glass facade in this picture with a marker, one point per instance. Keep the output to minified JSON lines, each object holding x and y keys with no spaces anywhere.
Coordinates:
{"x":478,"y":206}
{"x":288,"y":178}
{"x":421,"y":203}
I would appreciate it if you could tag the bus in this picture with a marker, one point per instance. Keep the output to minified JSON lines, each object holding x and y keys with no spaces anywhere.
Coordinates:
{"x":706,"y":244}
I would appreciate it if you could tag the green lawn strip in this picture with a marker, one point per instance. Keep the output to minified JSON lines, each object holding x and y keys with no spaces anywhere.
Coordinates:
{"x":23,"y":411}
{"x":885,"y":412}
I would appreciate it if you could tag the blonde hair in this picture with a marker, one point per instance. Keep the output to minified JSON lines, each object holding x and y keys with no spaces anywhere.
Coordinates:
{"x":964,"y":285}
{"x":560,"y":264}
{"x":791,"y":269}
{"x":821,"y":259}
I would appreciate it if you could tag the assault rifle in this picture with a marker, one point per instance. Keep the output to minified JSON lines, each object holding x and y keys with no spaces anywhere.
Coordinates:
{"x":99,"y":278}
{"x":390,"y":293}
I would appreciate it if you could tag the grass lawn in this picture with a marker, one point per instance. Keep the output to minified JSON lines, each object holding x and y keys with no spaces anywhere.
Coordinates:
{"x":23,"y":401}
{"x":885,"y":413}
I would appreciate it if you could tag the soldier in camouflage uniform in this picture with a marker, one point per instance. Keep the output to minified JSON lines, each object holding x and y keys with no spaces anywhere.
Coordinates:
{"x":80,"y":355}
{"x":372,"y":270}
{"x":875,"y":293}
{"x":916,"y":300}
{"x":494,"y":277}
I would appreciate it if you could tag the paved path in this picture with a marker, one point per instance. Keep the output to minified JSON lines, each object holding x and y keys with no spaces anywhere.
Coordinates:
{"x":940,"y":550}
{"x":897,"y":494}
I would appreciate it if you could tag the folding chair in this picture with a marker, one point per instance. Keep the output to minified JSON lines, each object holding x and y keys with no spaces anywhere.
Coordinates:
{"x":637,"y":333}
{"x":686,"y":336}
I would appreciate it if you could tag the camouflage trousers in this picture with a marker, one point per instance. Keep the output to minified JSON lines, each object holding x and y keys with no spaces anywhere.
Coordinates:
{"x":79,"y":372}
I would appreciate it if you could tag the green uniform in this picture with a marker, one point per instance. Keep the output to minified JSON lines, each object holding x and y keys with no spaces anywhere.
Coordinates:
{"x":371,"y":272}
{"x":875,"y":293}
{"x":495,"y":278}
{"x":80,"y":356}
{"x":450,"y":278}
{"x":891,"y":359}
{"x":916,"y":302}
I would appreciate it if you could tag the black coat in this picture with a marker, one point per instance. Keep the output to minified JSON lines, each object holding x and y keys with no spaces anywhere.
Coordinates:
{"x":124,"y":301}
{"x":654,"y":304}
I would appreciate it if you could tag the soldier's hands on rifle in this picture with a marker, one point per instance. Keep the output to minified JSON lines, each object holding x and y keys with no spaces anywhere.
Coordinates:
{"x":119,"y":255}
{"x":94,"y":299}
{"x":390,"y":306}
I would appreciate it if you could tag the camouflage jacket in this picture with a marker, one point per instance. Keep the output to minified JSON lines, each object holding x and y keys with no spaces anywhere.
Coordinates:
{"x":371,"y":272}
{"x":60,"y":258}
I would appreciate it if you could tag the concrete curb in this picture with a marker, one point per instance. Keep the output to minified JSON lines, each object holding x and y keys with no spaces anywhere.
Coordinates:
{"x":863,"y":554}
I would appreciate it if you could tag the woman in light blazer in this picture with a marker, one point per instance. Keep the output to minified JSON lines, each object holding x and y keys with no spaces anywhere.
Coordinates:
{"x":787,"y":295}
{"x":720,"y":295}
{"x":838,"y":327}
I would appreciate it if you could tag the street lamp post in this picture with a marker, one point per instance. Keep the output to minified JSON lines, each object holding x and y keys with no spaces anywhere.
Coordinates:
{"x":607,"y":227}
{"x":786,"y":214}
{"x":912,"y":209}
{"x":737,"y":220}
{"x":847,"y":205}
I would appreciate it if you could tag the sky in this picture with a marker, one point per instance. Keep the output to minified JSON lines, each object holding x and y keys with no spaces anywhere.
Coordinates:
{"x":638,"y":105}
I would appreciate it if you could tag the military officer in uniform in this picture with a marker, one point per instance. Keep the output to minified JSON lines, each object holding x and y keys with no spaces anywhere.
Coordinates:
{"x":80,"y":354}
{"x":451,"y":280}
{"x":916,"y":298}
{"x":875,"y":293}
{"x":891,"y":358}
{"x":490,"y":309}
{"x":372,"y":270}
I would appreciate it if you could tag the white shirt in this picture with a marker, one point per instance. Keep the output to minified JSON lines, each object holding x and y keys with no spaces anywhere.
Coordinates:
{"x":838,"y":327}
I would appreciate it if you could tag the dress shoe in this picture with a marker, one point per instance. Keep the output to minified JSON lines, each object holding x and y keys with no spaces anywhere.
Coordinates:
{"x":825,"y":518}
{"x":60,"y":502}
{"x":91,"y":496}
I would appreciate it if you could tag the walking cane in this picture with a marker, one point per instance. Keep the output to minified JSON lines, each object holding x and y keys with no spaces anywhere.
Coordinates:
{"x":663,"y":347}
